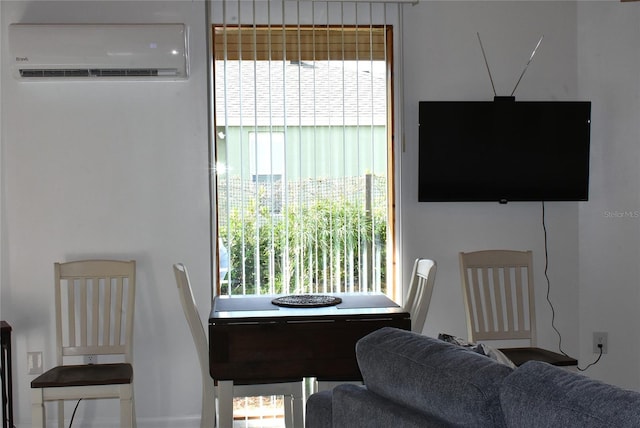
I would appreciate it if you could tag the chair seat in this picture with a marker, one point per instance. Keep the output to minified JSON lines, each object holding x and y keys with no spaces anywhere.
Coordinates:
{"x":85,"y":375}
{"x":520,"y":356}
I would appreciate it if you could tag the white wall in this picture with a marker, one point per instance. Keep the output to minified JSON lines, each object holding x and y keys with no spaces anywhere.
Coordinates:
{"x":121,"y":170}
{"x":109,"y":169}
{"x":609,"y":75}
{"x":443,"y":61}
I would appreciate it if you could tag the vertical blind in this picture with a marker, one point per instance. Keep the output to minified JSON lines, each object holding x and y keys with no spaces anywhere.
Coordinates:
{"x":302,"y":145}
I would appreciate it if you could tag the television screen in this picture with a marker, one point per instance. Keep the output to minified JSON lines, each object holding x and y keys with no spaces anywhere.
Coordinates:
{"x":504,"y":150}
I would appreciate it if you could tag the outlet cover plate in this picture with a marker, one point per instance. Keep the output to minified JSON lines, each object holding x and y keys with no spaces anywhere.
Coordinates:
{"x":600,"y":337}
{"x":34,"y":362}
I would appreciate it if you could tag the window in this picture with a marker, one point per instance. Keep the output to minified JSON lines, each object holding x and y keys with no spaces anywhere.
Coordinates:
{"x":267,"y":158}
{"x":303,"y":147}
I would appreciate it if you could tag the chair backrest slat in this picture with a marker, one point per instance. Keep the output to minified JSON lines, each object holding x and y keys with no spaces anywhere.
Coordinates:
{"x":72,"y":313}
{"x":521,"y":309}
{"x":83,"y":312}
{"x":106,"y":326}
{"x":508,"y":297}
{"x":95,"y":311}
{"x":117,"y":334}
{"x":498,"y":303}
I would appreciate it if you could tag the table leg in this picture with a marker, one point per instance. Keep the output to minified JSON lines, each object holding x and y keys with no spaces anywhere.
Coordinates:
{"x":9,"y":374}
{"x":225,"y":404}
{"x":298,"y":410}
{"x":5,"y":400}
{"x":6,"y":374}
{"x":288,"y":411}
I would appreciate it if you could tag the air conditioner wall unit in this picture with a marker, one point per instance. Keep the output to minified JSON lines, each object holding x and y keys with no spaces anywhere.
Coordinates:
{"x":99,"y":51}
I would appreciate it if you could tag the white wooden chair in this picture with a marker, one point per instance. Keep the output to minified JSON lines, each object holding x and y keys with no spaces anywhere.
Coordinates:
{"x":292,"y":391}
{"x":420,"y":291}
{"x":94,"y":304}
{"x":499,"y":300}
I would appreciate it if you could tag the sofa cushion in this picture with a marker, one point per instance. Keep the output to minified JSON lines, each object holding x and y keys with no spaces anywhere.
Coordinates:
{"x":357,"y":407}
{"x":541,"y":395}
{"x":446,"y":381}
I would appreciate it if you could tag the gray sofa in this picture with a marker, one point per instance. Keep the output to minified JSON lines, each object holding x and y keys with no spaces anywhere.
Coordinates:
{"x":416,"y":381}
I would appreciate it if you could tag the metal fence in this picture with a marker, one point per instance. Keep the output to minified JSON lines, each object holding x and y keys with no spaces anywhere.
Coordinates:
{"x":313,"y":235}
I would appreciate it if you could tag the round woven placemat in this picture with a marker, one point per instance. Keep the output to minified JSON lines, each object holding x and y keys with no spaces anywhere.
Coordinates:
{"x":306,"y":301}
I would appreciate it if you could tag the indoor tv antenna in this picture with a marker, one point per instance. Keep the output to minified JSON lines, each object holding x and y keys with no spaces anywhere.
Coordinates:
{"x":511,"y":96}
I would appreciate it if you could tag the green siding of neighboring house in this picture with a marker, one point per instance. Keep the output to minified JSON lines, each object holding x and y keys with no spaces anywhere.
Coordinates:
{"x":311,"y":151}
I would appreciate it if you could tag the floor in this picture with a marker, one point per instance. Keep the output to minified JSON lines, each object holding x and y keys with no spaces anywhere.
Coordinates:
{"x":259,"y":412}
{"x":256,"y":423}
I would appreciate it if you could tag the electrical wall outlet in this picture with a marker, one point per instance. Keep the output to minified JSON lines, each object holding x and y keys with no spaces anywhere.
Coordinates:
{"x":91,"y":359}
{"x":600,"y":338}
{"x":34,"y":362}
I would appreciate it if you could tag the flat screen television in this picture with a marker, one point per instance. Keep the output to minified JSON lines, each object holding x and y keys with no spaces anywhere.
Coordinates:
{"x":504,"y":150}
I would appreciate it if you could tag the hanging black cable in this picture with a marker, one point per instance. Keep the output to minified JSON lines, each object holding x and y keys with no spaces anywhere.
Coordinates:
{"x":73,"y":415}
{"x":553,"y":312}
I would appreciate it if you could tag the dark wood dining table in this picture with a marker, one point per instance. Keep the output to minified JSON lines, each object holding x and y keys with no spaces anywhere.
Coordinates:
{"x":252,"y":340}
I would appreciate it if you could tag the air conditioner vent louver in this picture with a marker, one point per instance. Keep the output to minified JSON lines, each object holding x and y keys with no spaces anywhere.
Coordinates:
{"x":99,"y":51}
{"x":54,"y":73}
{"x":122,"y":72}
{"x":42,"y":73}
